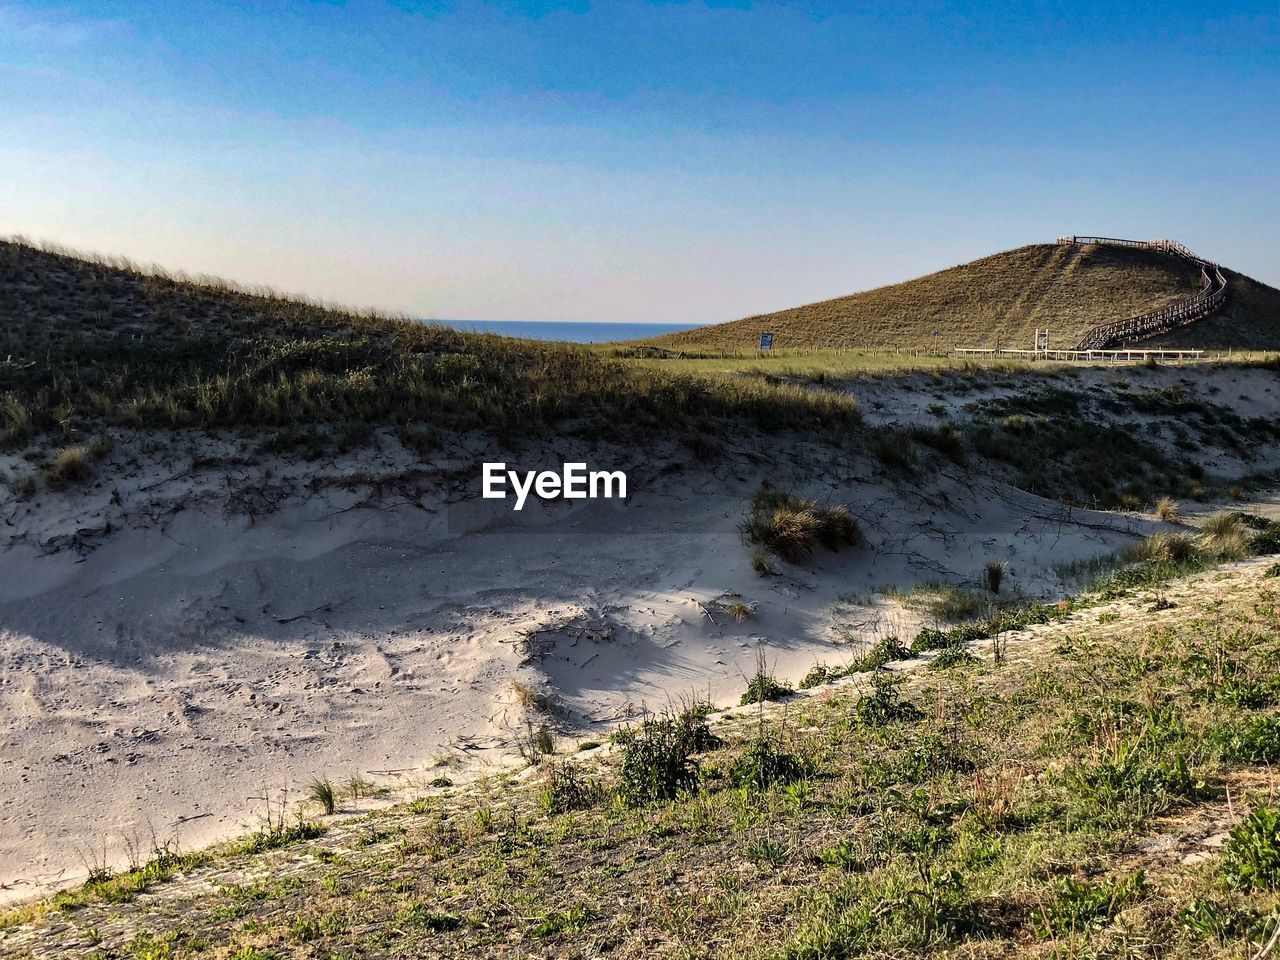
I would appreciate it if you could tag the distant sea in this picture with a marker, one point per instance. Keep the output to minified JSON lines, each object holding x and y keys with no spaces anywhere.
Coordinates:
{"x":572,"y":332}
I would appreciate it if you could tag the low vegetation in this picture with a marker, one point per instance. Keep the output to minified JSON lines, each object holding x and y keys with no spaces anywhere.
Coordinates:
{"x":764,"y":687}
{"x":323,"y":795}
{"x":792,"y":527}
{"x":1054,"y":803}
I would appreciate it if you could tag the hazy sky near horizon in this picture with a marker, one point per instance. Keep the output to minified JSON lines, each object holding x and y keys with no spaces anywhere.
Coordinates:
{"x":666,"y":161}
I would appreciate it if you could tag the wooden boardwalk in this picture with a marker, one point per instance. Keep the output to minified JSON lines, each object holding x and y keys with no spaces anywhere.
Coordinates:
{"x":1212,"y":295}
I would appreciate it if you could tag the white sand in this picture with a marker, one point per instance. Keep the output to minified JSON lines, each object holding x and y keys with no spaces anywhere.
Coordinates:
{"x":167,"y":657}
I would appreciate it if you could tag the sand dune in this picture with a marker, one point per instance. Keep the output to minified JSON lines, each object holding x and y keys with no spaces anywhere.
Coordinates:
{"x":165,"y":679}
{"x":174,"y":650}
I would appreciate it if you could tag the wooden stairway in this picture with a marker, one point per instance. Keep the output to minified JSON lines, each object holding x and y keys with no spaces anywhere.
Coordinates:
{"x":1212,"y":295}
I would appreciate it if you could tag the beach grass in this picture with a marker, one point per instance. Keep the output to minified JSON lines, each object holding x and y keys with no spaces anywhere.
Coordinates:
{"x":101,"y":343}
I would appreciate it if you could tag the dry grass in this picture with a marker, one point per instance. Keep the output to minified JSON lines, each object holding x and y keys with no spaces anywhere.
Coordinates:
{"x":1002,"y":299}
{"x":87,"y":344}
{"x":793,"y":527}
{"x":1224,"y":536}
{"x":532,"y":697}
{"x":70,"y":467}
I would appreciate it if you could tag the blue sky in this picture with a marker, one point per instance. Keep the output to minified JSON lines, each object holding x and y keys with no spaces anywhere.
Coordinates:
{"x":666,"y":161}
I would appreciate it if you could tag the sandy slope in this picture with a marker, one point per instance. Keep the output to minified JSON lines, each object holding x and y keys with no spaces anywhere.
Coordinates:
{"x":169,"y":654}
{"x":166,"y":678}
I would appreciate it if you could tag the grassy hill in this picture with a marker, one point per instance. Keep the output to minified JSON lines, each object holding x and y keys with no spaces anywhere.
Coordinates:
{"x":88,"y":343}
{"x":1002,"y":299}
{"x":1094,"y":785}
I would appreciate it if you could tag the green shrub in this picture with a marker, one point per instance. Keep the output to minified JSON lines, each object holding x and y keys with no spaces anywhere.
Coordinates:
{"x":321,"y":792}
{"x":1251,"y":857}
{"x":929,"y":756}
{"x":1132,"y":772}
{"x":657,"y":757}
{"x":573,"y":920}
{"x":930,"y":639}
{"x":693,"y":732}
{"x":951,"y":657}
{"x":884,"y":704}
{"x":567,"y":789}
{"x":765,"y":763}
{"x":279,"y":835}
{"x":1221,"y":923}
{"x":887,"y":650}
{"x":1248,"y":693}
{"x":843,"y":855}
{"x":537,"y":741}
{"x":1265,"y":542}
{"x":968,"y":633}
{"x":819,"y":674}
{"x":764,"y":688}
{"x":1264,"y":533}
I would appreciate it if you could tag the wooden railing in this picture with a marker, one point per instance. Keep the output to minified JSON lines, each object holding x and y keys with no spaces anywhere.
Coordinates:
{"x":1082,"y":356}
{"x":1212,"y":295}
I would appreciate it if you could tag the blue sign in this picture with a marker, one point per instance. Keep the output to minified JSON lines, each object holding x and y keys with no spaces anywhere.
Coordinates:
{"x":766,"y":341}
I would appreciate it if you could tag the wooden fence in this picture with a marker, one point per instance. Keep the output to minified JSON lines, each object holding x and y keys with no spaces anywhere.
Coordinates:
{"x":1212,"y":295}
{"x":1083,"y":356}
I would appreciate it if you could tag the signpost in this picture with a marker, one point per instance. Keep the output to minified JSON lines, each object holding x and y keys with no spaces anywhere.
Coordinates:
{"x":766,"y":341}
{"x":1042,"y":340}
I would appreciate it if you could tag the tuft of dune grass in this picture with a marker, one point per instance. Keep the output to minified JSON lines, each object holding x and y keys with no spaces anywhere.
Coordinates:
{"x":70,"y":467}
{"x":793,"y":527}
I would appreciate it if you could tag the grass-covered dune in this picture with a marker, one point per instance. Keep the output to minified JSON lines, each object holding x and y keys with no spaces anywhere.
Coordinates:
{"x":1095,"y":785}
{"x":1002,"y":299}
{"x":89,"y":343}
{"x":92,"y":347}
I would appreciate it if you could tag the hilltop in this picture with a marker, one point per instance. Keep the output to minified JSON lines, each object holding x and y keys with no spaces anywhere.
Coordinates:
{"x":91,"y":343}
{"x":1000,"y":301}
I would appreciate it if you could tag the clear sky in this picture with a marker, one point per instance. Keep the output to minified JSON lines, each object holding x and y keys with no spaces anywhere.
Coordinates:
{"x":667,"y":161}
